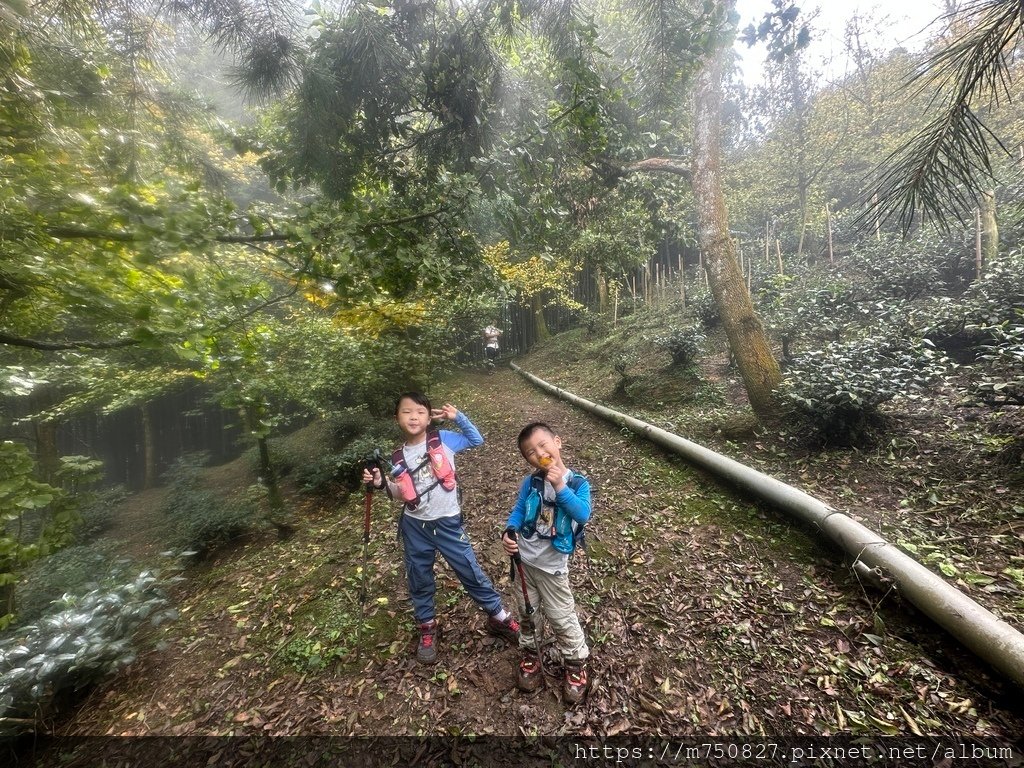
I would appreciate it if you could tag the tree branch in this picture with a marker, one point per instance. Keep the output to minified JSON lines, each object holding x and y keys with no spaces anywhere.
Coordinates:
{"x":658,"y":165}
{"x":57,"y":346}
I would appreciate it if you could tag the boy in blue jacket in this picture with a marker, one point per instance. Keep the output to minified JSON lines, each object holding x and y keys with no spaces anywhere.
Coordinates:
{"x":552,"y":507}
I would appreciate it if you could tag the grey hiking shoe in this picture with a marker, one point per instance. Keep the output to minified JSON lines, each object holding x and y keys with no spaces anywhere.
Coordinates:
{"x":426,"y":651}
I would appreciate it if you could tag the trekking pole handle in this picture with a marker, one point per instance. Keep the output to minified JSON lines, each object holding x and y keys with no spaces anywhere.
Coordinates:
{"x":511,"y":533}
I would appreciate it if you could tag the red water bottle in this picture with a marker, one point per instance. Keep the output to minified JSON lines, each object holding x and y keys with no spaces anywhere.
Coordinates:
{"x":401,"y":477}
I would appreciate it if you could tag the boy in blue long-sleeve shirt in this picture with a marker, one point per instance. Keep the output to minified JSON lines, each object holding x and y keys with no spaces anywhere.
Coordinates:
{"x":551,"y":510}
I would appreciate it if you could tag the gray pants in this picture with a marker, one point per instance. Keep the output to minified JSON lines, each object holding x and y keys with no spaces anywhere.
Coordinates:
{"x":551,"y":598}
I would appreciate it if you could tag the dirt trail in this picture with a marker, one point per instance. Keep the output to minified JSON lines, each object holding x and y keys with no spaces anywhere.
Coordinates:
{"x":707,"y":616}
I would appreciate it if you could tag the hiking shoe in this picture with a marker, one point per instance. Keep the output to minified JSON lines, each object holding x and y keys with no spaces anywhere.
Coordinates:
{"x":575,"y":686}
{"x":508,"y":629}
{"x":529,"y":676}
{"x":426,"y":651}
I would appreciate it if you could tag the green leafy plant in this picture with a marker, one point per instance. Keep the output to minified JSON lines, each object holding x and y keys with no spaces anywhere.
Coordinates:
{"x":70,"y":649}
{"x":683,"y":343}
{"x":199,"y":520}
{"x":35,"y":518}
{"x":72,"y":571}
{"x":1000,"y":369}
{"x":839,"y":389}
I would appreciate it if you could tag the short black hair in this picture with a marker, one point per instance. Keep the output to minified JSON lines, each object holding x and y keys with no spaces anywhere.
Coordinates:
{"x":532,"y":427}
{"x":417,"y":397}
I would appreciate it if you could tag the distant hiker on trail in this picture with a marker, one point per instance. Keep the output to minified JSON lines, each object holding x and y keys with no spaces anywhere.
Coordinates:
{"x":423,"y":479}
{"x":543,"y":529}
{"x":491,"y":346}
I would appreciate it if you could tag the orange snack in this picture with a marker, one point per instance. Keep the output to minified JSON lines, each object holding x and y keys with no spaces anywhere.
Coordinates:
{"x":544,"y":461}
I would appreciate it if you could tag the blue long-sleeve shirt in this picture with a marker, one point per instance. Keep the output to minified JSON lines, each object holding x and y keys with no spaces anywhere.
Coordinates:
{"x":537,"y":549}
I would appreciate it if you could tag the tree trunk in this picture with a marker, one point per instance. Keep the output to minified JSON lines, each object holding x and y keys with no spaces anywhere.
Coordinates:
{"x":267,"y":474}
{"x":47,"y":454}
{"x":540,"y":327}
{"x":602,"y":291}
{"x":148,"y":449}
{"x":989,"y":227}
{"x":757,"y":365}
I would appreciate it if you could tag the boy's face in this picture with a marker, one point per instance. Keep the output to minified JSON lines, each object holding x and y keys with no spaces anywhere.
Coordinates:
{"x":541,"y":449}
{"x":413,"y":418}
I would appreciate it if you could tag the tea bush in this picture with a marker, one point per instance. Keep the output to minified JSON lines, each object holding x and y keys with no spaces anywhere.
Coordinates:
{"x":839,"y":389}
{"x":683,"y":343}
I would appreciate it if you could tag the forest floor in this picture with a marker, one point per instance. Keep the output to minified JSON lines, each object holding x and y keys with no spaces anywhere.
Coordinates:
{"x":708,"y":615}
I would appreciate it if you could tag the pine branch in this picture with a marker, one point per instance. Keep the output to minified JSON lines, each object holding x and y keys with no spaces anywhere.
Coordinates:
{"x":940,"y":174}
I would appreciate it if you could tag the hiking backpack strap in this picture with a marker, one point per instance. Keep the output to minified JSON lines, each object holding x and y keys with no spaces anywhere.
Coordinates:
{"x":440,"y":467}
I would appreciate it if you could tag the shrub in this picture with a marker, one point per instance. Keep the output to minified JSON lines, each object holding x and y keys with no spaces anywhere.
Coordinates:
{"x":344,"y":465}
{"x":72,"y":571}
{"x":839,"y":389}
{"x":684,"y":344}
{"x":704,"y":307}
{"x":1000,"y":379}
{"x":70,"y":649}
{"x":923,"y":265}
{"x":97,"y":516}
{"x":199,"y":519}
{"x":994,"y":300}
{"x":810,"y":306}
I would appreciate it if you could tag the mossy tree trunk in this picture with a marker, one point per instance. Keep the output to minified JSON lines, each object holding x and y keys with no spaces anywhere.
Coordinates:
{"x":540,"y":326}
{"x":268,"y":474}
{"x":747,"y":339}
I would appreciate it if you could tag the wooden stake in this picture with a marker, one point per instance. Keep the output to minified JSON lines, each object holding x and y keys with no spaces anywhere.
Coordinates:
{"x":878,"y":222}
{"x":778,"y":255}
{"x":828,"y":218}
{"x":977,"y":244}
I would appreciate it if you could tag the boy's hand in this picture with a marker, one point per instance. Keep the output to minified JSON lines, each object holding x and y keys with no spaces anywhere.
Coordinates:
{"x":448,"y":411}
{"x":511,"y":545}
{"x":554,"y":473}
{"x":372,"y":477}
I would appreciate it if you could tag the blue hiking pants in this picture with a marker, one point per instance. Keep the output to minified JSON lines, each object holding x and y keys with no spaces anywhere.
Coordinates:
{"x":424,"y":538}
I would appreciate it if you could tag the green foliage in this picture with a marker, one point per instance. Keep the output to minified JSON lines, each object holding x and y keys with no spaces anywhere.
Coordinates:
{"x":703,"y":306}
{"x":36,"y":518}
{"x":999,"y":375}
{"x":924,"y":265}
{"x":811,"y":305}
{"x":990,"y":307}
{"x":72,"y":571}
{"x":684,"y":343}
{"x":198,"y":519}
{"x":839,"y":389}
{"x":73,"y":648}
{"x":355,"y":436}
{"x":97,"y":514}
{"x":998,"y":296}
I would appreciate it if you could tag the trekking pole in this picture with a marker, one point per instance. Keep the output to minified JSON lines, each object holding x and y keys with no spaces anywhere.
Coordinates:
{"x":370,"y":464}
{"x":517,"y":562}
